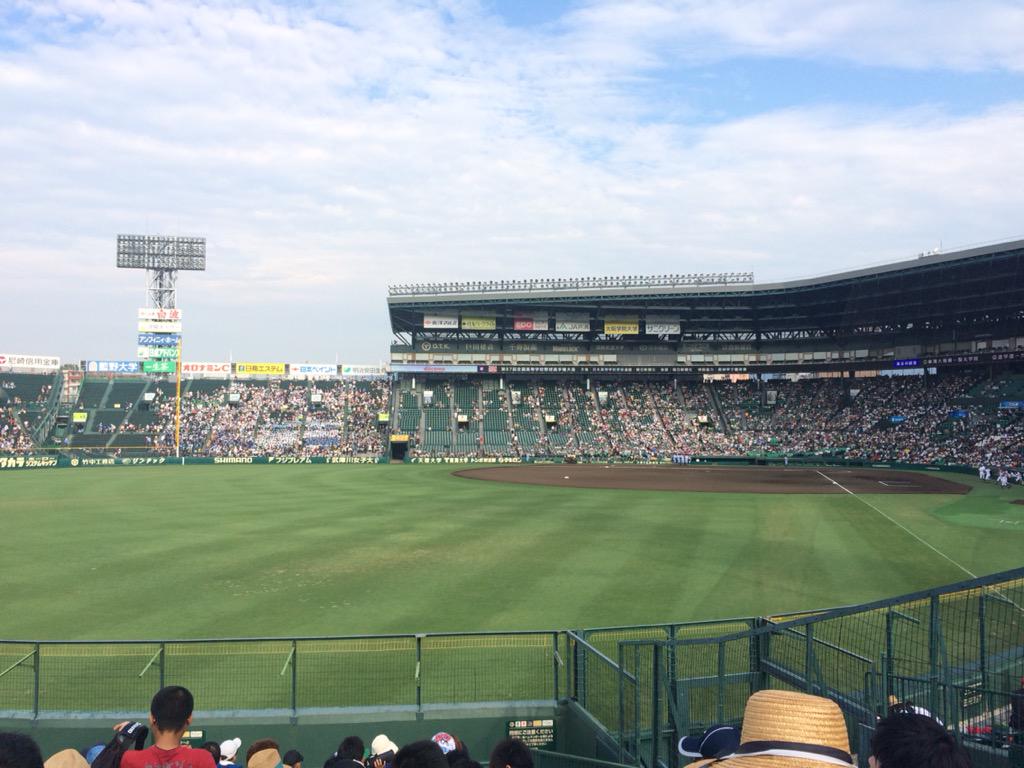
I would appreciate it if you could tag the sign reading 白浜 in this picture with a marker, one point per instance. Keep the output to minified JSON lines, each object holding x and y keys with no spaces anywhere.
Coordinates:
{"x":530,"y":321}
{"x":159,"y":339}
{"x":441,"y":321}
{"x":662,"y":325}
{"x":572,"y":322}
{"x":259,"y":369}
{"x":112,"y":366}
{"x":45,"y":362}
{"x":159,"y":326}
{"x":311,"y":370}
{"x":212,"y":370}
{"x":622,"y":325}
{"x":151,"y":313}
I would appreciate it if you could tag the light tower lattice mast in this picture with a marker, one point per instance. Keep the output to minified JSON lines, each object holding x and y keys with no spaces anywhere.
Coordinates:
{"x":160,"y":321}
{"x":162,"y":258}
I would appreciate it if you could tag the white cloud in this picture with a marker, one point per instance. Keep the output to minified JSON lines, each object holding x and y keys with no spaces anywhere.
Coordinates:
{"x":326,"y":151}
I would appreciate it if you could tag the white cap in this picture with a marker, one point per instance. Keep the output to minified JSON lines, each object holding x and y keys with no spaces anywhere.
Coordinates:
{"x":229,"y":748}
{"x":382,"y":744}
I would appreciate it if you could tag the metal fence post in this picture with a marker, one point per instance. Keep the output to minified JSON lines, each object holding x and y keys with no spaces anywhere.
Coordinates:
{"x":655,"y":704}
{"x":295,"y":680}
{"x":554,"y":664}
{"x":35,"y":685}
{"x":163,"y":650}
{"x":982,"y":655}
{"x":933,"y":657}
{"x":809,"y":658}
{"x":622,"y":700}
{"x":419,"y":677}
{"x":720,"y":709}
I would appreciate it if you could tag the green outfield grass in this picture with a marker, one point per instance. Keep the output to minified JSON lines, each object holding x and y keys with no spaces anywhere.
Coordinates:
{"x":217,"y":551}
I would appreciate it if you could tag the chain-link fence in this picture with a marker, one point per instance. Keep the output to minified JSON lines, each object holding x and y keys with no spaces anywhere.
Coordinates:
{"x":957,"y":651}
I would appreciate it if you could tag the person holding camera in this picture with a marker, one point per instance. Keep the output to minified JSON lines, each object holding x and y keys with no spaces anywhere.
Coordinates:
{"x":170,"y":713}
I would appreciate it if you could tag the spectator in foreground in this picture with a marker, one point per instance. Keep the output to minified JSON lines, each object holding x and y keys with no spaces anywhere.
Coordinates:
{"x":292,"y":759}
{"x":19,"y":751}
{"x":170,"y":713}
{"x":795,"y":730}
{"x":906,"y":740}
{"x":228,"y":752}
{"x":420,"y":754}
{"x":382,"y":752}
{"x":66,"y":758}
{"x":259,"y":746}
{"x":349,"y":755}
{"x":1017,"y":707}
{"x":213,"y":748}
{"x":511,"y":753}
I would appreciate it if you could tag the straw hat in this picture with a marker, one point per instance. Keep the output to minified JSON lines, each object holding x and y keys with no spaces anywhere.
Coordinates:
{"x":783,"y":729}
{"x":67,"y":758}
{"x":265,"y":758}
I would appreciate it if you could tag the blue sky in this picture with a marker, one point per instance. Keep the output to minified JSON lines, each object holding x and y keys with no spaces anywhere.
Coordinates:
{"x":326,"y":149}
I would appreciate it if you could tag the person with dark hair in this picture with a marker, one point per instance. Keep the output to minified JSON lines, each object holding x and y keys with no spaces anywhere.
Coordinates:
{"x":170,"y":713}
{"x":420,"y":754}
{"x":292,"y":759}
{"x":213,"y":748}
{"x":19,"y":751}
{"x":352,"y":748}
{"x":908,"y":740}
{"x":511,"y":753}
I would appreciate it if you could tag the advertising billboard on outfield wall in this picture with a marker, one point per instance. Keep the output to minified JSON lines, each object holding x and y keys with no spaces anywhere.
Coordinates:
{"x":148,"y":313}
{"x":572,"y":322}
{"x":213,"y":370}
{"x":478,"y":323}
{"x":159,"y":326}
{"x":156,"y":353}
{"x":355,"y":371}
{"x":158,"y":339}
{"x":45,"y":362}
{"x":441,"y":321}
{"x":662,"y":325}
{"x":530,"y":321}
{"x":311,"y":370}
{"x":112,"y":366}
{"x":259,"y":369}
{"x":622,"y":325}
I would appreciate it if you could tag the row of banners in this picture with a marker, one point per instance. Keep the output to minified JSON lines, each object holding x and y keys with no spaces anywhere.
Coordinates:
{"x":565,"y":322}
{"x":241,"y":369}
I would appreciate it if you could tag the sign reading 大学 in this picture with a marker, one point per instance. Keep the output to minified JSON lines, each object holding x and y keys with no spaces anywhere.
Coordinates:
{"x":112,"y":366}
{"x":536,"y":734}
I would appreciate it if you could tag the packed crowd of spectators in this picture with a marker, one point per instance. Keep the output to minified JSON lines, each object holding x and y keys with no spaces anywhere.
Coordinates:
{"x":15,"y":422}
{"x":293,"y":419}
{"x":790,"y":728}
{"x":952,"y":418}
{"x":171,"y":715}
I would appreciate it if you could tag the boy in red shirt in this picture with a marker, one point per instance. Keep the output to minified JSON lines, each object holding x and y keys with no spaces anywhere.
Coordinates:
{"x":170,"y":713}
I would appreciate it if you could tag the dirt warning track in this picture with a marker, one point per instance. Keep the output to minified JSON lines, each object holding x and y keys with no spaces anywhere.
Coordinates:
{"x":718,"y":479}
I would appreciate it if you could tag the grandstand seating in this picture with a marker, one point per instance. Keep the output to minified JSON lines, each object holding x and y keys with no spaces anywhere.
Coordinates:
{"x":951,"y":418}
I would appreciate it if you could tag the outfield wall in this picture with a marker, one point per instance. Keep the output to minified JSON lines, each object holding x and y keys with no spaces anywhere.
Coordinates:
{"x":75,"y":459}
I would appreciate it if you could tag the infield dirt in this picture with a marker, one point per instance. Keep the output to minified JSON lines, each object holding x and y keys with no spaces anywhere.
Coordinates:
{"x":718,"y":479}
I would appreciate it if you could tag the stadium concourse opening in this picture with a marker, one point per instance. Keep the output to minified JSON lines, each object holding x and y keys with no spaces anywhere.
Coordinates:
{"x":718,"y":479}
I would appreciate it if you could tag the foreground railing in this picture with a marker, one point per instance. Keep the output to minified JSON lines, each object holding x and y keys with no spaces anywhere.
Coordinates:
{"x":957,"y":650}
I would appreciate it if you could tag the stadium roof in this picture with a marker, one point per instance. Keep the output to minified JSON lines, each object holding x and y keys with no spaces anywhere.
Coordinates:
{"x":978,"y":291}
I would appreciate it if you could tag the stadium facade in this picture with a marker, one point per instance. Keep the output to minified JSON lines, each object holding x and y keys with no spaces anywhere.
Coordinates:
{"x":959,"y":308}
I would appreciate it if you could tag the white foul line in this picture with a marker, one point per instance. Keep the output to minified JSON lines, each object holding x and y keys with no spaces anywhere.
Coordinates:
{"x":898,"y":523}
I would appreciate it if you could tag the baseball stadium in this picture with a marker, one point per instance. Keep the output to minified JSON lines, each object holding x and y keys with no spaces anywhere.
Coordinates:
{"x":593,"y":513}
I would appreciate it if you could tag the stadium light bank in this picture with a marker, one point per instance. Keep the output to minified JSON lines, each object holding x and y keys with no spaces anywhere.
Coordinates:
{"x":574,"y":283}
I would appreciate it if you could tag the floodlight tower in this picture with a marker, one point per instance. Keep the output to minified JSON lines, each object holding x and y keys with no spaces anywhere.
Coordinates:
{"x":161,"y":257}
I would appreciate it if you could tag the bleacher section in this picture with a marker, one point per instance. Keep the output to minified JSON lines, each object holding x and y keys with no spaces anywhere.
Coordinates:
{"x":955,"y":417}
